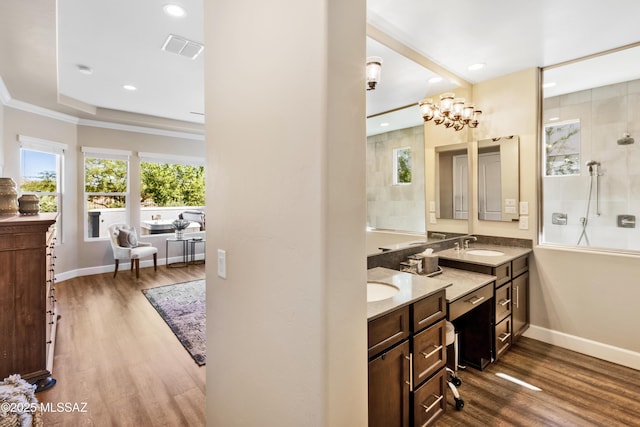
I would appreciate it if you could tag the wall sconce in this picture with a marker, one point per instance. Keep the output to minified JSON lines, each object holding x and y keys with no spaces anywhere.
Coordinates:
{"x":451,"y":112}
{"x":374,"y":67}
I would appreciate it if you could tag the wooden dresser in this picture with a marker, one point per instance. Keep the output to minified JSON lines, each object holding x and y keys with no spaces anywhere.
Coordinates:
{"x":27,"y":302}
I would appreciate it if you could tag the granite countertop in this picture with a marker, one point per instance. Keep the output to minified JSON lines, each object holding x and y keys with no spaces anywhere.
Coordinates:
{"x":464,"y":282}
{"x":412,"y":288}
{"x":510,"y":253}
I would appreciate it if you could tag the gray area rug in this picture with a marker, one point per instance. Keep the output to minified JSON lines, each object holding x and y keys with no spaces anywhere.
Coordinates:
{"x":183,"y":307}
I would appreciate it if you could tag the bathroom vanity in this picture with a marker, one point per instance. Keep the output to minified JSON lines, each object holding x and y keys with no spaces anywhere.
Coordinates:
{"x":507,"y":316}
{"x":483,"y":291}
{"x":407,"y":350}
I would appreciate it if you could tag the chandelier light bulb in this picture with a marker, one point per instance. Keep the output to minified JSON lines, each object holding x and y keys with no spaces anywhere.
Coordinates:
{"x":450,"y":111}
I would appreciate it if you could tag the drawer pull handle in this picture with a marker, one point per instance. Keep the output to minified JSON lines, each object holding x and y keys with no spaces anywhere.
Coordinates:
{"x":430,"y":407}
{"x":504,"y":336}
{"x":434,"y":351}
{"x":504,"y":302}
{"x":476,"y":299}
{"x":410,"y":382}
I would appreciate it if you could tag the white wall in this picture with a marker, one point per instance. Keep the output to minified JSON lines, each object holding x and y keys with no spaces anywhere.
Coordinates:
{"x":287,"y":327}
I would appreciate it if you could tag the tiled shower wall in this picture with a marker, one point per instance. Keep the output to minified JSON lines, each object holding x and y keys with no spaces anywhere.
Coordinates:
{"x":605,"y":114}
{"x":395,"y":207}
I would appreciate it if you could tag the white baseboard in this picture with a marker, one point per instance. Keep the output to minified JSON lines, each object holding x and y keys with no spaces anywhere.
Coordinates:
{"x":125,"y":266}
{"x":597,"y":349}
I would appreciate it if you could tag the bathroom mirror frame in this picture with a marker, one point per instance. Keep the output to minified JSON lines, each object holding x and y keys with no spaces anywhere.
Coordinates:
{"x":498,"y":178}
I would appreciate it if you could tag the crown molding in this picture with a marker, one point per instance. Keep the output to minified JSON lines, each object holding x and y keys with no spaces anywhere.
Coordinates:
{"x":8,"y":101}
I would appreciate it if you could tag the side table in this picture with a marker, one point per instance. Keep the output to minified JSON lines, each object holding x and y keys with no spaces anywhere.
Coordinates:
{"x":185,"y":252}
{"x":193,"y":242}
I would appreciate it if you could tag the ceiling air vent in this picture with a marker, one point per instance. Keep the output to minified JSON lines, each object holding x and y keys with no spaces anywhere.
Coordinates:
{"x":182,"y":46}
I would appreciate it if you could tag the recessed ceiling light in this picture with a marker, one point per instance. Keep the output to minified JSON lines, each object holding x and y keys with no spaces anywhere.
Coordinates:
{"x":554,"y":119}
{"x":549,"y":84}
{"x":478,"y":66}
{"x":436,"y":79}
{"x":174,"y":10}
{"x":129,"y":87}
{"x":84,"y":69}
{"x":385,"y":124}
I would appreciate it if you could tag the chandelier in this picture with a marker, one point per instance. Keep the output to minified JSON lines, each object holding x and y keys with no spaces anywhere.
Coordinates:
{"x":450,"y":111}
{"x":374,"y":67}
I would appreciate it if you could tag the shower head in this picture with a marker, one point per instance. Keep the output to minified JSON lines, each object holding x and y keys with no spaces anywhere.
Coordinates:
{"x":625,"y":140}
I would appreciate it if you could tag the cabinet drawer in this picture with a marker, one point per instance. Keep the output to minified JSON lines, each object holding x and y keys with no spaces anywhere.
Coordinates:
{"x":503,"y":336}
{"x":429,"y":352}
{"x":429,"y":310}
{"x":503,"y":302}
{"x":429,"y":400}
{"x":470,"y":301}
{"x":387,"y":330}
{"x":519,"y":265}
{"x":502,"y":273}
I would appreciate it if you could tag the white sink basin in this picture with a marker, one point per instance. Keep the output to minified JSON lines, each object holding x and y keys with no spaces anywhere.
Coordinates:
{"x":377,"y":291}
{"x":483,"y":252}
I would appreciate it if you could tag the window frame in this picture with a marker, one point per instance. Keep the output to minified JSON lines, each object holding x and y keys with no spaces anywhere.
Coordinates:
{"x":163,"y":158}
{"x":396,"y":164}
{"x":107,"y":154}
{"x":58,"y":149}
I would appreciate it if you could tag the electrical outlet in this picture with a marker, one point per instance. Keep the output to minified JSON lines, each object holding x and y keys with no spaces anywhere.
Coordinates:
{"x":432,"y":206}
{"x":523,"y":224}
{"x":432,"y":218}
{"x":222,"y":263}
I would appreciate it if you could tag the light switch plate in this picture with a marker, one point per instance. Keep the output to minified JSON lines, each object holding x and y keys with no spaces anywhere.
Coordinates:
{"x":510,"y":209}
{"x":222,"y":263}
{"x":524,"y":208}
{"x":432,"y":218}
{"x":523,"y":224}
{"x":432,"y":206}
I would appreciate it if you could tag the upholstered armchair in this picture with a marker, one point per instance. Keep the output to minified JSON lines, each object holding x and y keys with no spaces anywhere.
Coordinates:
{"x":125,"y":245}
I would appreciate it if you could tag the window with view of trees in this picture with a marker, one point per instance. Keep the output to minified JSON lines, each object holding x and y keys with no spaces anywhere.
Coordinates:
{"x":168,"y":187}
{"x":41,"y":166}
{"x":106,"y":189}
{"x":402,"y":165}
{"x":39,"y":175}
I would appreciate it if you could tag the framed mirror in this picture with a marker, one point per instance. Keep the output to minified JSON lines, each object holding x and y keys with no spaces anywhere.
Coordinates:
{"x":498,"y":178}
{"x":452,"y":182}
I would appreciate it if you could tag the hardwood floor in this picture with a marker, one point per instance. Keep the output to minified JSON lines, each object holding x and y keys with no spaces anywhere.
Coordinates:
{"x":114,"y":352}
{"x":577,"y":390}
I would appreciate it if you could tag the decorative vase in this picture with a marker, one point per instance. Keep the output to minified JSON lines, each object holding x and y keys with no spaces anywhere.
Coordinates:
{"x":8,"y":197}
{"x":29,"y":204}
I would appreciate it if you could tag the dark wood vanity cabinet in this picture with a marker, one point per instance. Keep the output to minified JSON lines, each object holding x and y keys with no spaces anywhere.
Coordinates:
{"x":407,"y":358}
{"x":27,"y":301}
{"x":510,"y":311}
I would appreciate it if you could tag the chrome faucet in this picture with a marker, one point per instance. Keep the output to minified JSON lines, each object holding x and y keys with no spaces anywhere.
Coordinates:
{"x":466,"y":242}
